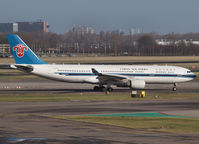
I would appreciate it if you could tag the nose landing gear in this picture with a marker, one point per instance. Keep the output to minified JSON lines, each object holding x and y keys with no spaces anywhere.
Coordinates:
{"x":175,"y":87}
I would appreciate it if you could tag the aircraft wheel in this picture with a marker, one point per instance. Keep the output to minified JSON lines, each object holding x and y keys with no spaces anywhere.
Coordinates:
{"x":109,"y":89}
{"x":96,"y":88}
{"x":174,"y":88}
{"x":102,"y":88}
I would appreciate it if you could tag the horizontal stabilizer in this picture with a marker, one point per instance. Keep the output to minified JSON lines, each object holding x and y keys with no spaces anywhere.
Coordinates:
{"x":25,"y":68}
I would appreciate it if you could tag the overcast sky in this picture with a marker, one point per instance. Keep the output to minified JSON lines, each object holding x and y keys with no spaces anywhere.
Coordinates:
{"x":162,"y":16}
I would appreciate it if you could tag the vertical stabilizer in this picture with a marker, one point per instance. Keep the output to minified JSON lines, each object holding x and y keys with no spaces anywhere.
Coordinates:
{"x":21,"y":52}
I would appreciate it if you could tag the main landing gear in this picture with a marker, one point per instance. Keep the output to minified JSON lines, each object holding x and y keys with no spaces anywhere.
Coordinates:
{"x":109,"y":89}
{"x":102,"y":88}
{"x":98,"y":88}
{"x":174,"y":87}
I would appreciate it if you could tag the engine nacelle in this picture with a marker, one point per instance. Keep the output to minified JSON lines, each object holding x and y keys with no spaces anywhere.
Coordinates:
{"x":134,"y":84}
{"x":137,"y":84}
{"x":124,"y":83}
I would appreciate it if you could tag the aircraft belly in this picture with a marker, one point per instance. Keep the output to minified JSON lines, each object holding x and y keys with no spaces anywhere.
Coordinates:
{"x":73,"y":79}
{"x":164,"y":79}
{"x":78,"y":79}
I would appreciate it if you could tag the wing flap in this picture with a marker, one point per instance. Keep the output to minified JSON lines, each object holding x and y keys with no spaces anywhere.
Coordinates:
{"x":108,"y":77}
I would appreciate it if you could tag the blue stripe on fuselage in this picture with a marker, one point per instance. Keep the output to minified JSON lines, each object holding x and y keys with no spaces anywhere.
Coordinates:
{"x":125,"y":74}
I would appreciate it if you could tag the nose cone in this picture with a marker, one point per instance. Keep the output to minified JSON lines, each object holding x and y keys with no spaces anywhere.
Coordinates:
{"x":194,"y":75}
{"x":190,"y":74}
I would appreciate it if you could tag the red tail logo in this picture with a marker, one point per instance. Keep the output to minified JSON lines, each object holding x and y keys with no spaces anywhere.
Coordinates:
{"x":20,"y":50}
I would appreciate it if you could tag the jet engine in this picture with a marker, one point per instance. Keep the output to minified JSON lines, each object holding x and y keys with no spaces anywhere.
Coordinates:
{"x":137,"y":84}
{"x":134,"y":84}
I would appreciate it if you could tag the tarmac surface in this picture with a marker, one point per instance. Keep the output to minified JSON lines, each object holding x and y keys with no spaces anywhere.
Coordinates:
{"x":48,"y":86}
{"x":20,"y":120}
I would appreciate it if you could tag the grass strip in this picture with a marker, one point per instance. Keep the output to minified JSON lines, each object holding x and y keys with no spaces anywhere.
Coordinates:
{"x":62,"y":97}
{"x":46,"y":97}
{"x":109,"y":59}
{"x":172,"y":125}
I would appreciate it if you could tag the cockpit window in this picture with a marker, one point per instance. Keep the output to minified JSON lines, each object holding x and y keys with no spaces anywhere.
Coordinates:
{"x":188,"y":71}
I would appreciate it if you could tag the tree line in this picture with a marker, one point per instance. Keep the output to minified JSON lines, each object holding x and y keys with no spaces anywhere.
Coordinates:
{"x":109,"y":43}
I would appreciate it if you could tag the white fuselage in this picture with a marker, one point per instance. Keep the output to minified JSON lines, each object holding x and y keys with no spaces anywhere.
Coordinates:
{"x":84,"y":74}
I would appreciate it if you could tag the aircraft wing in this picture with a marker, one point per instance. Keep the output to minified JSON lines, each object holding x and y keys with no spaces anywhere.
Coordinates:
{"x":108,"y":77}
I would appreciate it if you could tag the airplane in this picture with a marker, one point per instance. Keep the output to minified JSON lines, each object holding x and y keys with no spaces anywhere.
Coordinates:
{"x":132,"y":76}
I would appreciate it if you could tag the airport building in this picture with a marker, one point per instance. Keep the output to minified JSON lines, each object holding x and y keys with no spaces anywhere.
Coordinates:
{"x":8,"y":27}
{"x":4,"y":50}
{"x":134,"y":31}
{"x":81,"y":30}
{"x":165,"y":42}
{"x":33,"y":26}
{"x":39,"y":26}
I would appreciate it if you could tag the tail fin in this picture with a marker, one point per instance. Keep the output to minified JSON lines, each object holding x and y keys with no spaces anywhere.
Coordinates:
{"x":21,"y":52}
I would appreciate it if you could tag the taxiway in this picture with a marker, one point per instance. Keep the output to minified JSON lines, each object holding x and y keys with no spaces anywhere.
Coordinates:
{"x":30,"y":119}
